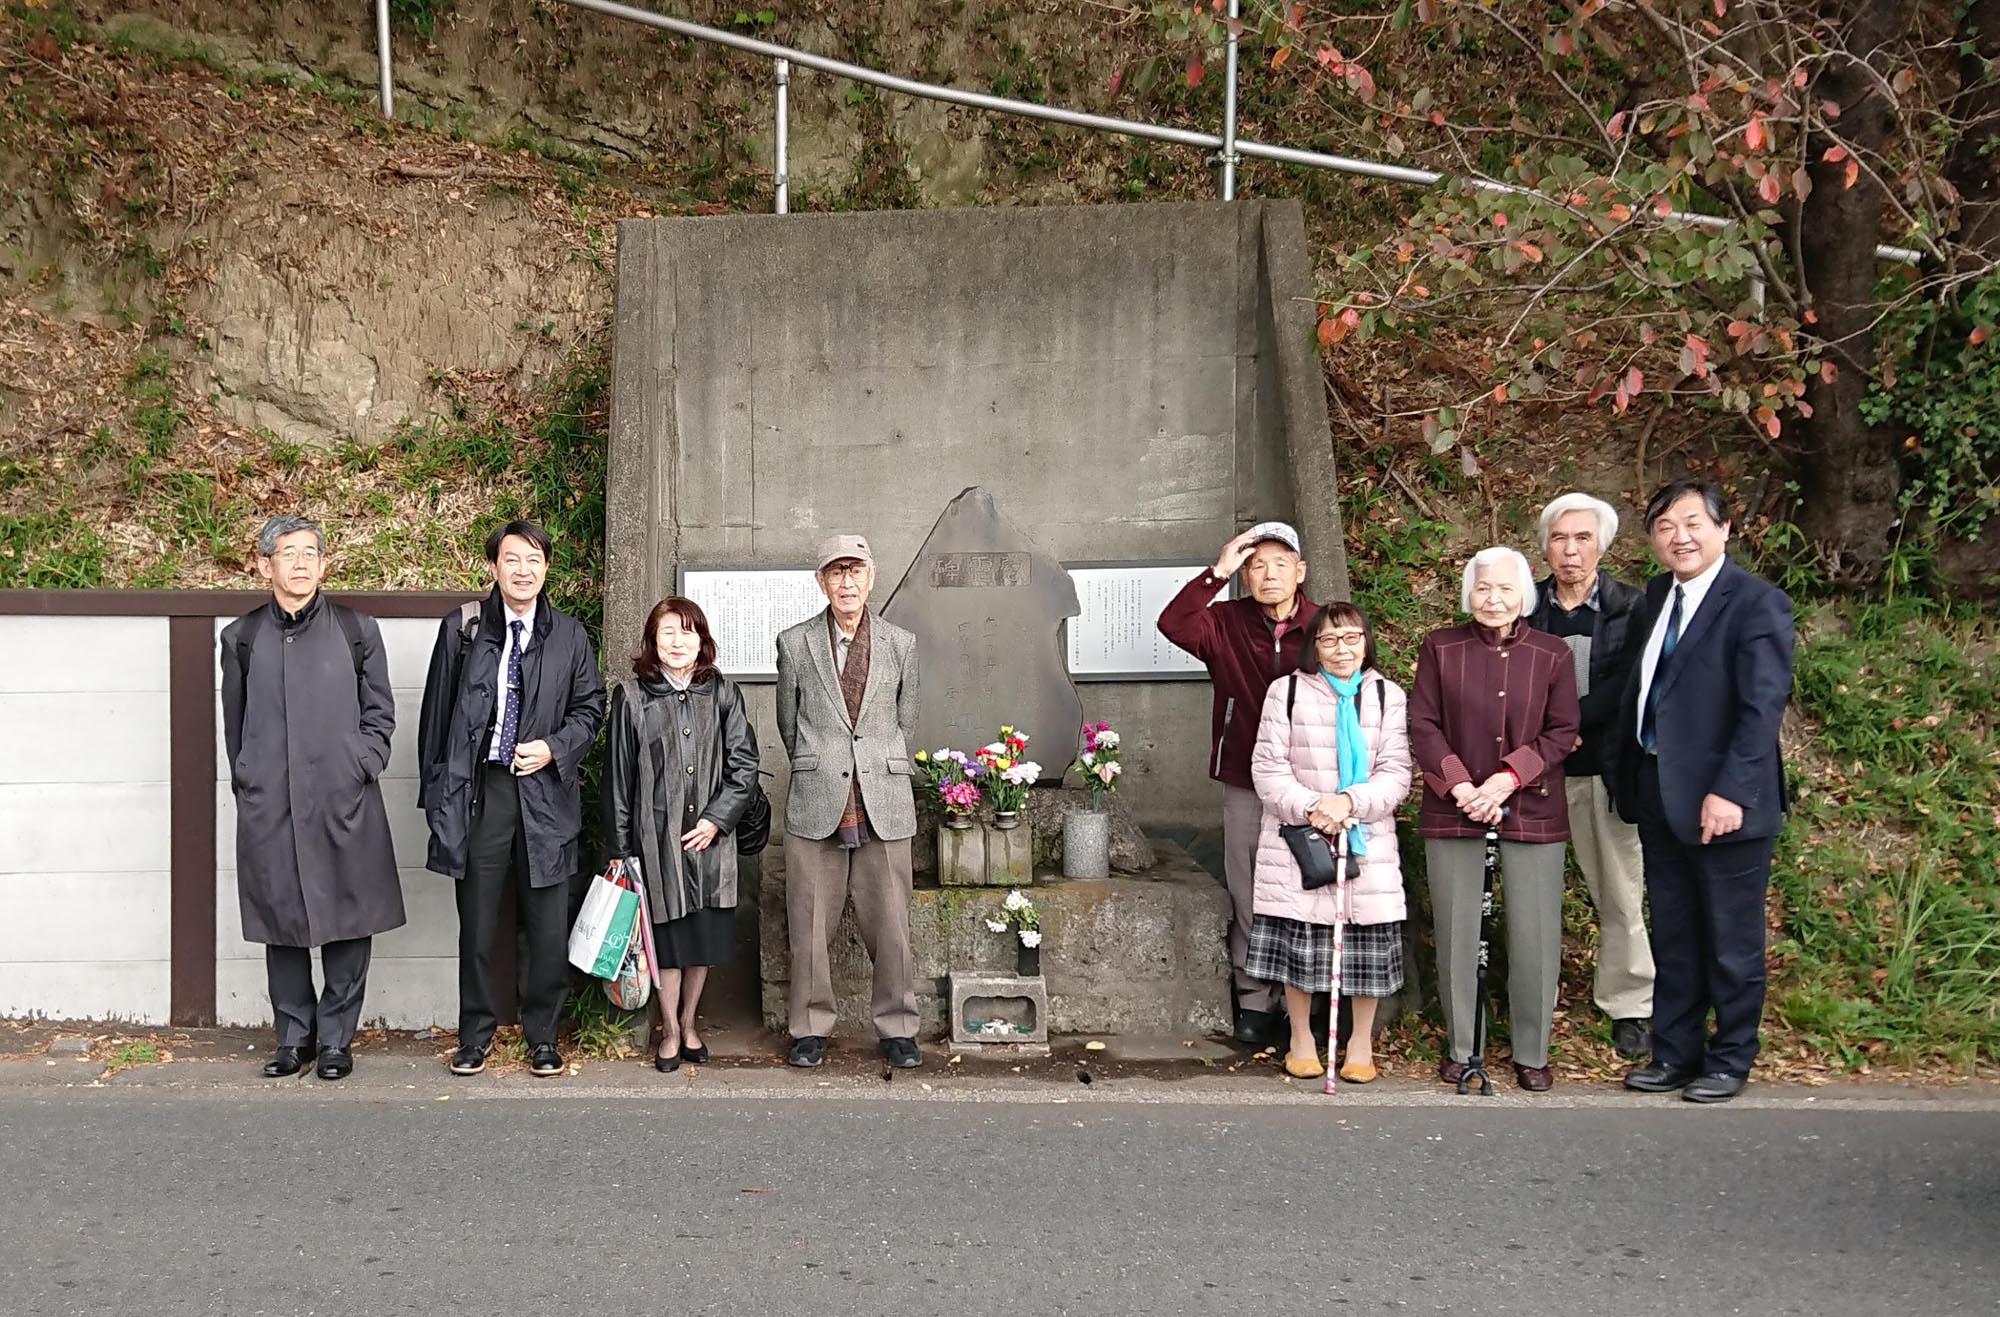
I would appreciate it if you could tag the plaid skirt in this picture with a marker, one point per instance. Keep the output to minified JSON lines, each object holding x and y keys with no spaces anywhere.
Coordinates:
{"x":1290,"y":951}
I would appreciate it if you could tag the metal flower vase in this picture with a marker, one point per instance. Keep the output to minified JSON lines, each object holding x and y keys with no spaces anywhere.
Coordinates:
{"x":1087,"y":844}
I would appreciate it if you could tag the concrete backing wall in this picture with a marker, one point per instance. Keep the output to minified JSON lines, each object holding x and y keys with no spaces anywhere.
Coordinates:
{"x":1130,"y":382}
{"x":84,"y":871}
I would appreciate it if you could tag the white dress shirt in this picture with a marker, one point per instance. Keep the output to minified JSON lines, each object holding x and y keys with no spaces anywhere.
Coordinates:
{"x":1692,"y":593}
{"x":507,"y":617}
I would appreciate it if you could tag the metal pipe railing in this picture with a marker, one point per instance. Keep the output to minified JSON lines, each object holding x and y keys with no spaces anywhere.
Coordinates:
{"x":1227,"y":143}
{"x":781,"y":154}
{"x":382,"y":59}
{"x":1229,"y":103}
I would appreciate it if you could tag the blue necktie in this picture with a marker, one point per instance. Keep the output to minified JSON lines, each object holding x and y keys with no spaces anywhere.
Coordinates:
{"x":510,"y":716}
{"x":1647,"y":738}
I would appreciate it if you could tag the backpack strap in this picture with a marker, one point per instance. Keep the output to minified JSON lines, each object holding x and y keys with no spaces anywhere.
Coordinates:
{"x":350,"y":626}
{"x":1291,"y":693}
{"x":246,"y":636}
{"x":253,"y":626}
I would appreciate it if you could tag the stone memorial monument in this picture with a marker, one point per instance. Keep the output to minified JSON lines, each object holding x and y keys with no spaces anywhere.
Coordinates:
{"x":987,"y":605}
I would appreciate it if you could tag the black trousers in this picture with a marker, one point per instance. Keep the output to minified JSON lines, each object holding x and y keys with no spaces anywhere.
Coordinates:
{"x":497,"y":859}
{"x":1707,"y":928}
{"x":331,"y":1015}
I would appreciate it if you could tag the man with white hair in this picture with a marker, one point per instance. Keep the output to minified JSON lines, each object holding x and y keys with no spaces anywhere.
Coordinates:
{"x":1595,"y":614}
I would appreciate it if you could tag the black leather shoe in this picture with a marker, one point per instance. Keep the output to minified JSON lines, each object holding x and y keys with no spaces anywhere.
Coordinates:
{"x":666,"y":1065}
{"x":1658,"y":1078}
{"x":468,"y":1060}
{"x":288,"y":1061}
{"x":1257,"y":1028}
{"x":1715,"y":1088}
{"x":902,"y":1053}
{"x":336,"y":1063}
{"x":806,"y":1052}
{"x":1632,"y":1038}
{"x":695,"y":1054}
{"x":545,"y":1061}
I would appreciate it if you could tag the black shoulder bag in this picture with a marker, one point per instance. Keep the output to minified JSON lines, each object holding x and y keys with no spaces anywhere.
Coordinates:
{"x":1320,"y":863}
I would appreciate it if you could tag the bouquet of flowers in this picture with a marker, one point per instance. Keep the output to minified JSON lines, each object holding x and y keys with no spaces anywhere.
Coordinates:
{"x":950,"y":774}
{"x":1018,"y":914}
{"x":1099,"y":762}
{"x":1008,"y":775}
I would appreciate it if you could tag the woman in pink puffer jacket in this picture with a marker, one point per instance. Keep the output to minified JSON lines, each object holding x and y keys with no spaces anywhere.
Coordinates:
{"x":1300,"y":776}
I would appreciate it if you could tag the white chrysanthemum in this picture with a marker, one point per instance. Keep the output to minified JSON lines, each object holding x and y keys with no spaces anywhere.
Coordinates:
{"x":997,"y":925}
{"x":1025,"y":774}
{"x":1107,"y":740}
{"x":1015,"y":901}
{"x":1031,"y":937}
{"x":1089,"y":759}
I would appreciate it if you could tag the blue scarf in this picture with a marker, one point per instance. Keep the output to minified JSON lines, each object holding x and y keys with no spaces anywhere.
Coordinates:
{"x":1350,"y":745}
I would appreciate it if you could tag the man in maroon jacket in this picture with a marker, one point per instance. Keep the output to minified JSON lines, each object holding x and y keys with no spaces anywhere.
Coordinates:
{"x":1246,"y":643}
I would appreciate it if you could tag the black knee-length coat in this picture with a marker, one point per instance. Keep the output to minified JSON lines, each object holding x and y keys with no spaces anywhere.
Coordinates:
{"x":306,"y":722}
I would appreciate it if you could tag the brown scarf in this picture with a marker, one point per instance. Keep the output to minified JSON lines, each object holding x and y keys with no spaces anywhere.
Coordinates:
{"x":853,"y":685}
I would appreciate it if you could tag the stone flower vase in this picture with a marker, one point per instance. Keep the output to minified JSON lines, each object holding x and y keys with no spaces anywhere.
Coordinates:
{"x":1087,"y":845}
{"x":1027,"y":959}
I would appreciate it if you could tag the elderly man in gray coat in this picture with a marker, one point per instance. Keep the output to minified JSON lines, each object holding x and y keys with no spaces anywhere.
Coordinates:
{"x":306,"y":717}
{"x":847,"y":709}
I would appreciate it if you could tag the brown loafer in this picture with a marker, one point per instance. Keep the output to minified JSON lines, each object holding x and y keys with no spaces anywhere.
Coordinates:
{"x":1450,"y":1071}
{"x":1534,"y":1078}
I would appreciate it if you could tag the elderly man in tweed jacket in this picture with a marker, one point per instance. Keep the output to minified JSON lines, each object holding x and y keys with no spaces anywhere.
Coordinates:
{"x":847,"y":708}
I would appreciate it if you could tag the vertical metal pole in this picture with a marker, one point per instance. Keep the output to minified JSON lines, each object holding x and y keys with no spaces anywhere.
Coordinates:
{"x":382,"y":56}
{"x":782,"y":156}
{"x":1229,"y":105}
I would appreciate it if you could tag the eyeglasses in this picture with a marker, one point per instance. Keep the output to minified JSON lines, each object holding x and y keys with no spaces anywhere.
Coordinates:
{"x":290,"y":556}
{"x":852,"y":573}
{"x":1349,"y":639}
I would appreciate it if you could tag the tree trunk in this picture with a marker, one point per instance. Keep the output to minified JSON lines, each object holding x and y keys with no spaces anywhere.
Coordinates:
{"x":1971,"y":166}
{"x":1850,"y":476}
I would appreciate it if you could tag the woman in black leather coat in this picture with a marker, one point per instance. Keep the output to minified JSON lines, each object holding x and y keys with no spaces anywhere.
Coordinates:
{"x":680,"y":770}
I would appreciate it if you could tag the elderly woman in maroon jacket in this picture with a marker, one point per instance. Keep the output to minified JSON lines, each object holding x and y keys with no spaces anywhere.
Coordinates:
{"x":1492,"y":716}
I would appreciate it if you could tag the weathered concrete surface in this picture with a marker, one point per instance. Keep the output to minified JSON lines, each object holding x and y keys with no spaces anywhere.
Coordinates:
{"x":1126,"y":954}
{"x":1132,"y":382}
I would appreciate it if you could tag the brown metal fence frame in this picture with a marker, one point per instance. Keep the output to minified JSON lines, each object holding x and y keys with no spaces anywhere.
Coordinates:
{"x":191,"y":668}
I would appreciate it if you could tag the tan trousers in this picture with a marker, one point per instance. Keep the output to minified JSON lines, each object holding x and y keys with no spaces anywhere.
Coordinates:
{"x":1607,"y":851}
{"x":818,"y":877}
{"x":1242,"y":818}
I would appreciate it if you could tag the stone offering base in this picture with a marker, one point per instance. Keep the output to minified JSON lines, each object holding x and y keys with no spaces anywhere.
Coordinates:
{"x":978,"y":996}
{"x":1128,"y":954}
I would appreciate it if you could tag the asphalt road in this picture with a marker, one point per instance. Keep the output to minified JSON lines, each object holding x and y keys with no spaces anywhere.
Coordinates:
{"x":232,"y":1203}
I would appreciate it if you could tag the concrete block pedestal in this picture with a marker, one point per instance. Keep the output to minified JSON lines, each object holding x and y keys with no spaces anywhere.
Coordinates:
{"x":1000,"y":1011}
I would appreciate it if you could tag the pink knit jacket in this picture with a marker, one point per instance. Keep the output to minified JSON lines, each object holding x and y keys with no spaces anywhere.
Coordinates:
{"x":1295,"y":764}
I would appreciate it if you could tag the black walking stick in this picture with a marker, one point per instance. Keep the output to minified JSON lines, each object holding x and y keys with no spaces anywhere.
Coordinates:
{"x":1475,"y":1065}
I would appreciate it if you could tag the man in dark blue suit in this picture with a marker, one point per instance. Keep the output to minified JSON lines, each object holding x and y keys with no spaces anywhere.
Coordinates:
{"x":1700,"y":774}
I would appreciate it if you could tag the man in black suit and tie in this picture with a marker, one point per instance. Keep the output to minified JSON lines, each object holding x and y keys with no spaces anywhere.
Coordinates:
{"x":1700,"y":774}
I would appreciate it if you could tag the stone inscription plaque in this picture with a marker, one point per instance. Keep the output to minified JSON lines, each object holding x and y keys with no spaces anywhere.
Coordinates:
{"x":987,"y":605}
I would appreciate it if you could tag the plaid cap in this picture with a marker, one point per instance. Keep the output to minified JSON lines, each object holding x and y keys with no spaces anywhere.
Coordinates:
{"x":1276,"y":530}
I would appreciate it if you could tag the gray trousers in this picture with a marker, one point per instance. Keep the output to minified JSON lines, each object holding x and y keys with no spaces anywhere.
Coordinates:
{"x":1532,"y":874}
{"x":818,"y":877}
{"x":1242,"y":818}
{"x":330,"y":1015}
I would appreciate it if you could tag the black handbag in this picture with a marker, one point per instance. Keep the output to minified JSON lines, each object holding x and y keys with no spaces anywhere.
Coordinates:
{"x":1321,"y":864}
{"x":753,"y":830}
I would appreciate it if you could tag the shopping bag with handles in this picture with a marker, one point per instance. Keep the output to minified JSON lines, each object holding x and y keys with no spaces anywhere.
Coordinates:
{"x":604,"y":927}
